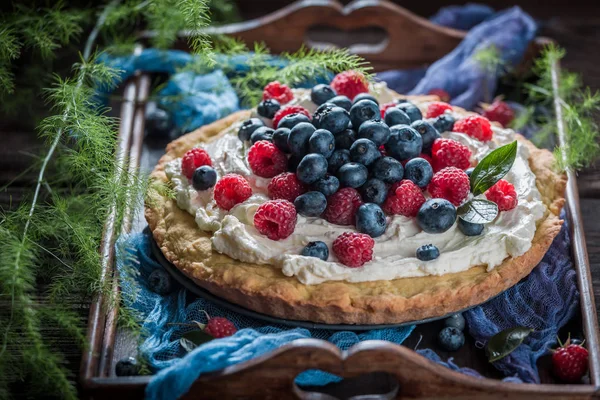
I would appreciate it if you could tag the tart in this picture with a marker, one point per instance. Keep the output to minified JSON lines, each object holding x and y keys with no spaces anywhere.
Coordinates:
{"x":223,"y":250}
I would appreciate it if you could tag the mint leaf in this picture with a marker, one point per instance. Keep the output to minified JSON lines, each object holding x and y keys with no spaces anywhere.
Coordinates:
{"x":478,"y":211}
{"x":505,"y":342}
{"x":193,"y":339}
{"x":493,"y":168}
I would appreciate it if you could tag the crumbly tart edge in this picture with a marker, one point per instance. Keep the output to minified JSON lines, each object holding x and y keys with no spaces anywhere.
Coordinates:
{"x":263,"y":288}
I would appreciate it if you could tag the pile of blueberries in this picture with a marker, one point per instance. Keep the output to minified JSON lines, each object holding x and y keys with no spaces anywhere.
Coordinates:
{"x":342,"y":146}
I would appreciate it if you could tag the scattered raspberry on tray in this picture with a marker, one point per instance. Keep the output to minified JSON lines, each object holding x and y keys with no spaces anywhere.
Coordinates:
{"x":230,"y":190}
{"x":404,"y":198}
{"x":287,"y":110}
{"x":436,"y":109}
{"x":450,"y":183}
{"x":449,"y":153}
{"x":475,"y":126}
{"x":266,"y":160}
{"x":504,"y":194}
{"x":219,"y":327}
{"x":353,"y":249}
{"x":277,"y":91}
{"x":350,"y":84}
{"x":342,"y":206}
{"x":286,"y":186}
{"x":193,"y":159}
{"x":570,"y":362}
{"x":275,"y":219}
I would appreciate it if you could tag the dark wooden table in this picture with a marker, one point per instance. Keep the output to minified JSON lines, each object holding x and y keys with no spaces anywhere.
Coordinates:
{"x":577,"y":29}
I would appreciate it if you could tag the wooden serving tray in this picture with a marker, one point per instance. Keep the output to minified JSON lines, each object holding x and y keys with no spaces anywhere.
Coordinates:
{"x":380,"y":369}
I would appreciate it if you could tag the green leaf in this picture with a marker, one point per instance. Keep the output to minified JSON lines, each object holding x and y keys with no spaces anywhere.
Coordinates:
{"x":505,"y":342}
{"x":195,"y":338}
{"x":493,"y":168}
{"x":187,"y":345}
{"x":478,"y":211}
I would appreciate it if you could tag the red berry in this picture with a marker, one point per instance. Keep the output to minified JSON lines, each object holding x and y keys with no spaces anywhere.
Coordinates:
{"x":353,"y":249}
{"x":193,"y":159}
{"x":426,"y":157}
{"x":504,"y":194}
{"x":220,"y":327}
{"x":266,"y":160}
{"x":570,"y":362}
{"x":441,"y":93}
{"x":449,"y":153}
{"x":475,"y":126}
{"x":500,"y":112}
{"x":404,"y":198}
{"x":383,"y":108}
{"x":231,"y":190}
{"x":451,"y":184}
{"x":342,"y":206}
{"x":383,"y":151}
{"x":283,"y":111}
{"x":275,"y":219}
{"x":349,"y":83}
{"x":279,"y":92}
{"x":286,"y":186}
{"x":436,"y":109}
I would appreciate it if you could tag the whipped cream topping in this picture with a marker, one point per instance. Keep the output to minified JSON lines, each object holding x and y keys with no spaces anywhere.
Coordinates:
{"x":234,"y":233}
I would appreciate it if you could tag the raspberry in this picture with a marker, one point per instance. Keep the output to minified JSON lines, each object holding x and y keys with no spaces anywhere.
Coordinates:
{"x":219,"y":327}
{"x":449,"y":153}
{"x":266,"y":160}
{"x":504,"y":194}
{"x":384,"y":108}
{"x":286,"y":186}
{"x":404,"y":198}
{"x":279,"y":92}
{"x":283,"y":111}
{"x":342,"y":206}
{"x":441,"y":93}
{"x":353,"y":249}
{"x":382,"y":151}
{"x":436,"y":109}
{"x":349,"y":83}
{"x":231,"y":190}
{"x":193,"y":159}
{"x":500,"y":112}
{"x":475,"y":126}
{"x":276,"y":219}
{"x":451,"y":184}
{"x":570,"y":362}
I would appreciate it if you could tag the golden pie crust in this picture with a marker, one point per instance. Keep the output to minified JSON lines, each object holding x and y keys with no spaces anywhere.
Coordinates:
{"x":264,"y":288}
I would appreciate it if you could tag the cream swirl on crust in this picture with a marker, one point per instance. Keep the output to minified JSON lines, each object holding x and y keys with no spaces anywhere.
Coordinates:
{"x":234,"y":234}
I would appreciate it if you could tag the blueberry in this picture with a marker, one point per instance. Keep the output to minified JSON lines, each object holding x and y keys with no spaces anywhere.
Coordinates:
{"x":469,"y":171}
{"x":159,"y":281}
{"x":428,"y":133}
{"x":341,"y":101}
{"x":404,"y":142}
{"x":374,"y":130}
{"x":370,"y":219}
{"x":267,"y":108}
{"x":337,"y":159}
{"x":469,"y":228}
{"x":327,"y":185}
{"x":456,"y":321}
{"x":310,"y":204}
{"x":444,"y":123}
{"x":411,"y":110}
{"x":352,"y":174}
{"x":427,"y":252}
{"x":395,"y":116}
{"x":362,"y":111}
{"x":204,"y":177}
{"x":248,"y":127}
{"x":280,"y":139}
{"x":321,"y":94}
{"x":262,"y":133}
{"x":291,"y":120}
{"x":293,"y":161}
{"x":364,"y":151}
{"x":331,"y":117}
{"x":299,"y":136}
{"x":344,"y":139}
{"x":312,"y":168}
{"x":436,"y":216}
{"x":387,"y":169}
{"x":127,"y":367}
{"x":374,"y":191}
{"x":158,"y":123}
{"x":316,"y":249}
{"x":321,"y":142}
{"x":419,"y":171}
{"x":364,"y":96}
{"x":451,"y":339}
